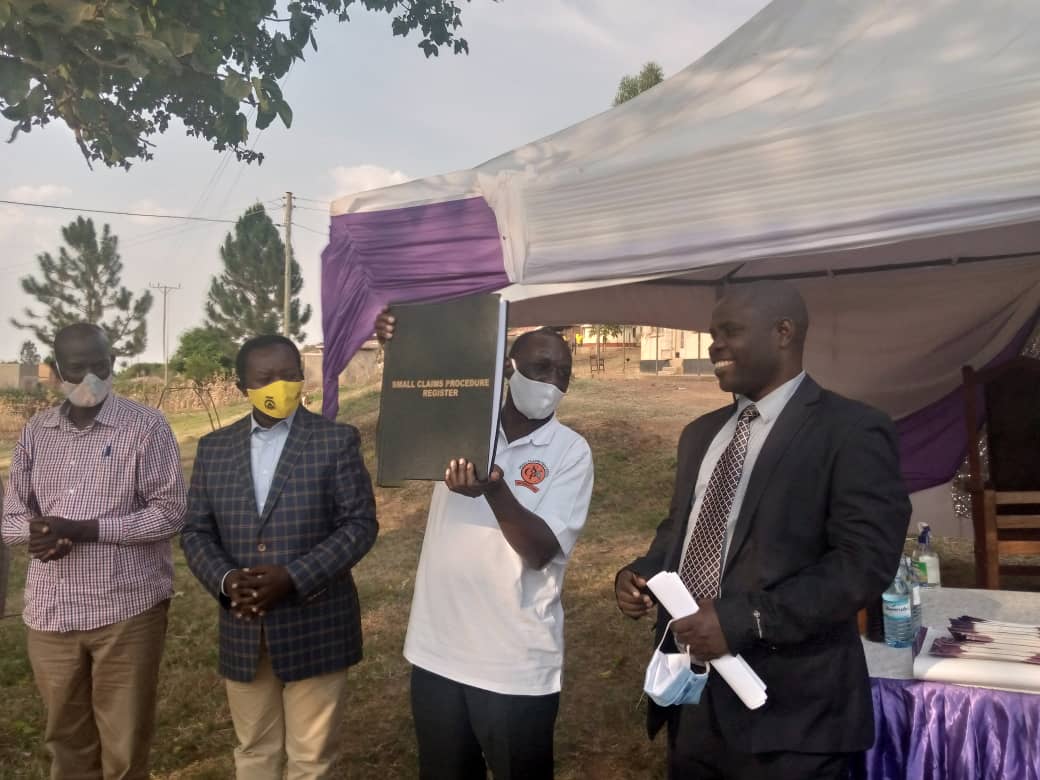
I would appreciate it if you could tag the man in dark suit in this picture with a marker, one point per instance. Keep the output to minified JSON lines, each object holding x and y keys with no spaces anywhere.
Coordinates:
{"x":789,"y":515}
{"x":280,"y":508}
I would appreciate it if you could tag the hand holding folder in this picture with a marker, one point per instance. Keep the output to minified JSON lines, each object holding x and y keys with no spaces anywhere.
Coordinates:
{"x":673,"y":595}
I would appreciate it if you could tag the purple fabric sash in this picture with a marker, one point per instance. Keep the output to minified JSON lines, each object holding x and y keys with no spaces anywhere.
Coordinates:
{"x":935,"y":731}
{"x":417,"y":253}
{"x":932,"y":440}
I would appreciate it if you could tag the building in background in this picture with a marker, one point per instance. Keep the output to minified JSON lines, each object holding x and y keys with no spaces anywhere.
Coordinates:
{"x":365,"y":367}
{"x":628,"y":336}
{"x":20,"y":376}
{"x":674,"y":352}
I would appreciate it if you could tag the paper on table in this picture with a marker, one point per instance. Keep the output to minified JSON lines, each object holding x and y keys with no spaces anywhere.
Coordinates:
{"x":1005,"y":675}
{"x":671,"y":593}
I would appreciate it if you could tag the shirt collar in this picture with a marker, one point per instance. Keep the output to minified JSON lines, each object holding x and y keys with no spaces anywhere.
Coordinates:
{"x":539,"y":437}
{"x":287,"y":422}
{"x":770,"y":406}
{"x":108,"y":414}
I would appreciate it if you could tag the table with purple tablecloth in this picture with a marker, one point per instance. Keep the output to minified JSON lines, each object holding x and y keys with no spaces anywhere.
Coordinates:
{"x":942,"y":731}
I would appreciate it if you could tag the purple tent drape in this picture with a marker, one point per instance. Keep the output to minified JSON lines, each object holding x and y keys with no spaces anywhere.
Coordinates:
{"x":417,"y":253}
{"x":932,"y":440}
{"x":443,"y":250}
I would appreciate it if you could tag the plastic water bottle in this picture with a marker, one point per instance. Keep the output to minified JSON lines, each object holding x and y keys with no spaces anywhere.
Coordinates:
{"x":897,"y":607}
{"x":925,"y":558}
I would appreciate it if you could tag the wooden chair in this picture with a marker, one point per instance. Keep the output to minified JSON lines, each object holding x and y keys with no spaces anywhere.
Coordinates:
{"x":1005,"y":508}
{"x":595,"y":364}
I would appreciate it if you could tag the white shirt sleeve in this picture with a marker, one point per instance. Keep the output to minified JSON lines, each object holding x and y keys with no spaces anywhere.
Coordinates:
{"x":223,"y":580}
{"x":566,"y":502}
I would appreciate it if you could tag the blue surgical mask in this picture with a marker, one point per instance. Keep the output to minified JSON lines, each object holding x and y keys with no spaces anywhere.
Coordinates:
{"x":670,"y":681}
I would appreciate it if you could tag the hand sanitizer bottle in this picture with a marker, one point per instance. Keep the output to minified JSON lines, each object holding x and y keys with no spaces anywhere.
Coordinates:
{"x":913,"y":577}
{"x":925,"y":559}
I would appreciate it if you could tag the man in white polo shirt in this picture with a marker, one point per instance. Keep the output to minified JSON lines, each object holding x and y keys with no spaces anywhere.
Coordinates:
{"x":485,"y":636}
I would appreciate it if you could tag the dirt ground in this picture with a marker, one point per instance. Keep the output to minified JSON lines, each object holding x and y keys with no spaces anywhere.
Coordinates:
{"x":632,"y":424}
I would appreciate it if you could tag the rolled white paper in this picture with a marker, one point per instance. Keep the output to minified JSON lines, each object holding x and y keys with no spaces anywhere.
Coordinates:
{"x":671,"y":592}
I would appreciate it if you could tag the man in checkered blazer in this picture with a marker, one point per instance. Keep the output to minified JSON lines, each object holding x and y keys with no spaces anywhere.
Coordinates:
{"x":280,"y":509}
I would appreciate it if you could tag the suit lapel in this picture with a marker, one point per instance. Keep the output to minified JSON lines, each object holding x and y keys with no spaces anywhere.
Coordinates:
{"x":790,"y":421}
{"x":299,"y":434}
{"x":243,"y":452}
{"x":696,"y":454}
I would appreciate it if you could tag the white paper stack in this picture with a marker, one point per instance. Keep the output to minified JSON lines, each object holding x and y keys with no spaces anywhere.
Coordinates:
{"x":1009,"y":675}
{"x":675,"y":598}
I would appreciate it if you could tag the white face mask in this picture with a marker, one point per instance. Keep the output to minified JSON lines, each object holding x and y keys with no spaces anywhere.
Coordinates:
{"x":534,"y":400}
{"x":87,"y":394}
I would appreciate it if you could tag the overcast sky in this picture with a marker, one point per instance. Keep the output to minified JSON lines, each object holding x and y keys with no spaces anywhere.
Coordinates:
{"x":369,"y":110}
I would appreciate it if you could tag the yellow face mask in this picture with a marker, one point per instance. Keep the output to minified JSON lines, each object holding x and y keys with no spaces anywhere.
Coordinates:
{"x":278,"y":399}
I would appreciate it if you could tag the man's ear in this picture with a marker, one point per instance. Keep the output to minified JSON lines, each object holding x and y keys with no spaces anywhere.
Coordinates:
{"x":507,"y":369}
{"x":786,"y":330}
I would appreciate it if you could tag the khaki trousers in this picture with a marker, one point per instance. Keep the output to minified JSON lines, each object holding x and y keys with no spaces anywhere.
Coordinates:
{"x":276,"y":721}
{"x":99,"y":690}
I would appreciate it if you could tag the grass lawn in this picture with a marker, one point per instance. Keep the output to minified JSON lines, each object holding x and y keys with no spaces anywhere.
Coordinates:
{"x":632,"y":426}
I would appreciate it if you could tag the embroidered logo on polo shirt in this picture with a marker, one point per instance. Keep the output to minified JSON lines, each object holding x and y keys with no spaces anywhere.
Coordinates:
{"x":531,"y":474}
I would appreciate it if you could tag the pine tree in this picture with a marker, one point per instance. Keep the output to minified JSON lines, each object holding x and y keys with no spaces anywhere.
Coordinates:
{"x":246,"y":299}
{"x":83,"y":284}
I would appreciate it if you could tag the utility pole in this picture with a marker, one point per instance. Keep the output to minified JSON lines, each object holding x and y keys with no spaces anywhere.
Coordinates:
{"x":288,"y":263}
{"x":166,"y":290}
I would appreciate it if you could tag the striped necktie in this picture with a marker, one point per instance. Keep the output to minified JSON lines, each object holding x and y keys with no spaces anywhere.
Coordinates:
{"x":701,"y":567}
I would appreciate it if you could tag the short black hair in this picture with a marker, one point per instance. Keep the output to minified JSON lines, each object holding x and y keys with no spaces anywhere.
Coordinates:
{"x":261,"y":342}
{"x":79,"y":330}
{"x":777,"y":300}
{"x":543,"y":331}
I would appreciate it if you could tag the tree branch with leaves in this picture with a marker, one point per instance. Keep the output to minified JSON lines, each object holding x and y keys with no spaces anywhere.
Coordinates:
{"x":649,"y":76}
{"x":117,"y":72}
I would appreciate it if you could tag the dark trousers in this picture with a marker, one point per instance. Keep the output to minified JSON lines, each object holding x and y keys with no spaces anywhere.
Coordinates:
{"x":464,"y":731}
{"x":696,"y":751}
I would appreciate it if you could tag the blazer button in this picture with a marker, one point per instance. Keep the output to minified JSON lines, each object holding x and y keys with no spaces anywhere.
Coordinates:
{"x":262,"y":547}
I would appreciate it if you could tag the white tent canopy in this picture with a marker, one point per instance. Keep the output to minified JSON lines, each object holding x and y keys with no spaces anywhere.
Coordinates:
{"x":884,"y":154}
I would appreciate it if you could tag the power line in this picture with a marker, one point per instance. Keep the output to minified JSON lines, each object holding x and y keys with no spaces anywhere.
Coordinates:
{"x":311,"y":200}
{"x":204,"y":196}
{"x":203,"y":199}
{"x":256,"y":140}
{"x":168,"y":232}
{"x":175,"y":231}
{"x":115,"y":213}
{"x":311,"y":230}
{"x":311,"y":208}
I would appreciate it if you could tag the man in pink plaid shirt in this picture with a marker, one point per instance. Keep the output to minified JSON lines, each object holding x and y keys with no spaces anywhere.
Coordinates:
{"x":96,"y":492}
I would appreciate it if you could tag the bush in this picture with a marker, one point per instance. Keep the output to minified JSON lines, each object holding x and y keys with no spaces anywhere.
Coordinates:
{"x":17,"y":405}
{"x":138,"y":370}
